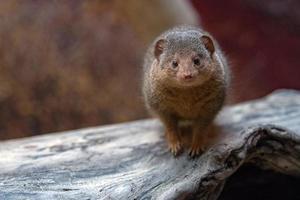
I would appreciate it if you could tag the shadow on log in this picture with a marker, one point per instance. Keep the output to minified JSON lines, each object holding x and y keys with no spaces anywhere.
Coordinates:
{"x":250,"y":182}
{"x":131,"y":160}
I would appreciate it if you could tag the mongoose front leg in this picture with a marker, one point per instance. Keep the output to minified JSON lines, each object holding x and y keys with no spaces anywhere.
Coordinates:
{"x":172,"y":134}
{"x":198,"y":141}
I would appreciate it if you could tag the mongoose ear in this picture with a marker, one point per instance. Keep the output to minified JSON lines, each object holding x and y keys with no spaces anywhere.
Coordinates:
{"x":159,"y":47}
{"x":208,"y":43}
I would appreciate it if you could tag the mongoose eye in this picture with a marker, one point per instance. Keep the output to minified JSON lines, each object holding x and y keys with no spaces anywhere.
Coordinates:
{"x":174,"y":64}
{"x":197,"y":61}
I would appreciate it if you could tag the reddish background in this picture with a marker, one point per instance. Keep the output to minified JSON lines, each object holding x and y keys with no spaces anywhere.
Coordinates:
{"x":261,"y":39}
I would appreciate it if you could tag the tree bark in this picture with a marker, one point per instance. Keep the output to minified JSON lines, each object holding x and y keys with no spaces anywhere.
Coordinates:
{"x":131,"y":160}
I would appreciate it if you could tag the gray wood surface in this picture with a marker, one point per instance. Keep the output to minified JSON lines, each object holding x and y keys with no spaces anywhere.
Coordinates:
{"x":131,"y":160}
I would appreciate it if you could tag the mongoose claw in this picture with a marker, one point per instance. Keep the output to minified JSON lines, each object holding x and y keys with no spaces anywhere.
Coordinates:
{"x":195,"y":151}
{"x":175,"y":148}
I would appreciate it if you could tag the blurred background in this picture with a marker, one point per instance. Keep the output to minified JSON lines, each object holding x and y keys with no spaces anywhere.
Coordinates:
{"x":74,"y":63}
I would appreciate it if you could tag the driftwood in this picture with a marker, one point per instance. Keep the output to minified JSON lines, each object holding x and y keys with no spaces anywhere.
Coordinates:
{"x":131,"y":160}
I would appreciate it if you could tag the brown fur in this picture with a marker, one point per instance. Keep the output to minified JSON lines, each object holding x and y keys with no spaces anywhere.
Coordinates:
{"x":172,"y":97}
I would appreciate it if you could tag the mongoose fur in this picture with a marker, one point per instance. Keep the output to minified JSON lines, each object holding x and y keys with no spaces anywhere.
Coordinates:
{"x":185,"y":79}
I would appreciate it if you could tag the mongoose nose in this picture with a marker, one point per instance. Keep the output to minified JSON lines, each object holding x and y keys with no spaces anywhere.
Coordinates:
{"x":187,"y":76}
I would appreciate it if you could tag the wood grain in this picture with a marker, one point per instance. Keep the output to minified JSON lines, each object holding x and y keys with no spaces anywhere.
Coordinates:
{"x":131,"y":160}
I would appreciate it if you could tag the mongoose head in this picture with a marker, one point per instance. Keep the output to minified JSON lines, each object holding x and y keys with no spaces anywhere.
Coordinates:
{"x":185,"y":58}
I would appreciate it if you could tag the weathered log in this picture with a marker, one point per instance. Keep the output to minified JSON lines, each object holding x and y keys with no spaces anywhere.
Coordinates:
{"x":131,"y":160}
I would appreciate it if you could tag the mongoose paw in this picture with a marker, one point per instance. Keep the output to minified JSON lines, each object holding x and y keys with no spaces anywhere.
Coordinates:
{"x":175,"y":148}
{"x":196,"y":150}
